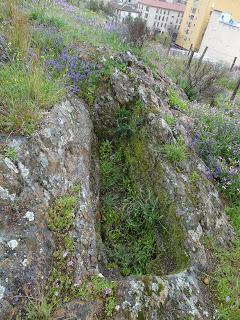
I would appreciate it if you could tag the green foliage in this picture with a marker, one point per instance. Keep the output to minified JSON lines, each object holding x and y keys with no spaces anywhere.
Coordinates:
{"x":175,"y":153}
{"x":94,"y":287}
{"x":135,"y":213}
{"x":23,"y":93}
{"x":11,"y":153}
{"x":110,"y":306}
{"x":226,"y":281}
{"x":41,"y":17}
{"x":176,"y":102}
{"x":39,"y":310}
{"x":62,"y":213}
{"x":171,"y":121}
{"x":128,"y":225}
{"x":194,"y":176}
{"x":97,"y":5}
{"x":217,"y":144}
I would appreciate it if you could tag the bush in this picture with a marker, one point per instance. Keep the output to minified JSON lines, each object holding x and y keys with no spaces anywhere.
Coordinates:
{"x":137,"y":31}
{"x":95,"y":5}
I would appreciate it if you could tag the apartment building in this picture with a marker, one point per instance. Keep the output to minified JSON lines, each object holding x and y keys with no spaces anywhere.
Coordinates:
{"x":222,"y":37}
{"x":196,"y":18}
{"x":161,"y":15}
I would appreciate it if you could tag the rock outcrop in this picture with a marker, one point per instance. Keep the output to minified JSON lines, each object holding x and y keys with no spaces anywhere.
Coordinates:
{"x":62,"y":153}
{"x":48,"y":163}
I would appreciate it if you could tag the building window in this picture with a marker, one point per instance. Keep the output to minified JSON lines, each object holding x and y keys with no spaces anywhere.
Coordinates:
{"x":168,"y":12}
{"x":159,"y":18}
{"x":177,"y":21}
{"x":146,"y":15}
{"x":156,"y":17}
{"x":157,"y":11}
{"x":165,"y":25}
{"x":154,"y":24}
{"x":167,"y":19}
{"x":158,"y":24}
{"x":161,"y":25}
{"x":164,"y":12}
{"x":147,"y":9}
{"x":162,"y":18}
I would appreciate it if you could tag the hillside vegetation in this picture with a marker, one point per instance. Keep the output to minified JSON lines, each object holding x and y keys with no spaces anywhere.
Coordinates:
{"x":52,"y":49}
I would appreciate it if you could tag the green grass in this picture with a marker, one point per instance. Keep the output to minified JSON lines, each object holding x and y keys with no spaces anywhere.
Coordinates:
{"x":39,"y":309}
{"x":175,"y":153}
{"x":176,"y":102}
{"x":11,"y":153}
{"x":23,"y":94}
{"x":135,"y":212}
{"x":170,"y":120}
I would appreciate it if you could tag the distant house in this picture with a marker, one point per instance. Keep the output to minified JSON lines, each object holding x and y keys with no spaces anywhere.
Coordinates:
{"x":161,"y":15}
{"x":124,"y":10}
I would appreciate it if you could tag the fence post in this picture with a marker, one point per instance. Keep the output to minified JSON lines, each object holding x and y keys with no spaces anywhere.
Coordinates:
{"x":235,"y":90}
{"x":165,"y":41}
{"x":202,"y":56}
{"x":190,"y":59}
{"x":233,"y":64}
{"x":190,"y":49}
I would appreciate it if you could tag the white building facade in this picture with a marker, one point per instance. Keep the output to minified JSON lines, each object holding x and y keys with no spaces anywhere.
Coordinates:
{"x":222,"y":37}
{"x":160,"y":15}
{"x":124,"y":10}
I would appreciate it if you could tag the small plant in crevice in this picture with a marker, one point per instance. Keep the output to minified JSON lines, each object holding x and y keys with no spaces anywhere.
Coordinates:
{"x":11,"y":153}
{"x":176,"y":102}
{"x":175,"y":153}
{"x":170,"y":120}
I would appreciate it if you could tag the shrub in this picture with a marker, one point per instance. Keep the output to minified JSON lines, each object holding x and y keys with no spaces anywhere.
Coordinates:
{"x":96,"y":5}
{"x":137,"y":31}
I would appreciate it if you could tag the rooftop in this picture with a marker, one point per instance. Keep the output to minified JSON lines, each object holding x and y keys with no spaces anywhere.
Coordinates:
{"x":124,"y":7}
{"x":163,"y":5}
